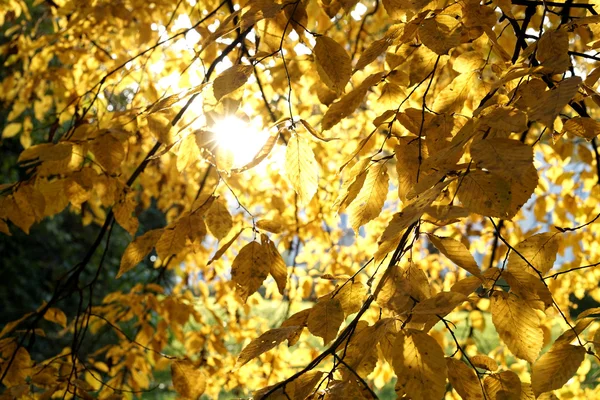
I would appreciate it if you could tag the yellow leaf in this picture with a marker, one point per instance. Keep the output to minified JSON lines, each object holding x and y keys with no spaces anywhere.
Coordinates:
{"x":277,"y":267}
{"x":419,"y":363}
{"x":250,"y":268}
{"x":457,"y":252}
{"x":440,"y":33}
{"x":19,"y":368}
{"x":529,"y":287}
{"x":369,"y":202}
{"x":539,"y":250}
{"x":484,"y":362}
{"x":333,"y":63}
{"x":397,"y":9}
{"x":441,"y":304}
{"x":218,"y":220}
{"x":348,"y":103}
{"x":56,"y":315}
{"x":301,"y":168}
{"x":299,"y":389}
{"x":553,"y":51}
{"x":188,"y":380}
{"x":453,"y":98}
{"x":556,"y":367}
{"x":352,"y":184}
{"x":11,"y":130}
{"x":231,"y":79}
{"x":172,"y":241}
{"x":402,"y":288}
{"x":468,"y":62}
{"x":486,"y":194}
{"x":464,"y":380}
{"x":407,"y":165}
{"x":551,"y":102}
{"x":325,"y":319}
{"x":224,"y":248}
{"x":269,"y":225}
{"x":31,"y":204}
{"x":188,"y":152}
{"x":265,"y":342}
{"x":411,"y":213}
{"x":137,"y":250}
{"x":503,"y":386}
{"x":586,"y":128}
{"x":108,"y":151}
{"x":351,"y":296}
{"x":124,"y":212}
{"x":518,"y":325}
{"x":376,"y":48}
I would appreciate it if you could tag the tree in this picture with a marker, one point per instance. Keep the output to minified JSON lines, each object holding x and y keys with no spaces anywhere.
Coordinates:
{"x":405,"y":192}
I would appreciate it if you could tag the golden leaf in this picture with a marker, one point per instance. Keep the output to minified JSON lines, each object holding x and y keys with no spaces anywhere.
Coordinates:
{"x":333,"y":63}
{"x":397,"y":9}
{"x":419,"y":363}
{"x":231,"y":79}
{"x":325,"y":319}
{"x":299,"y":389}
{"x":464,"y":380}
{"x":369,"y":201}
{"x":277,"y":267}
{"x":56,"y":315}
{"x":348,"y":103}
{"x":218,"y":220}
{"x":457,"y":252}
{"x":188,"y":152}
{"x":411,"y":213}
{"x":586,"y":128}
{"x":486,"y":194}
{"x":551,"y":102}
{"x":224,"y":247}
{"x":538,"y":250}
{"x":301,"y":168}
{"x":269,"y":225}
{"x":440,"y":33}
{"x":265,"y":342}
{"x":440,"y":304}
{"x":556,"y":367}
{"x":484,"y":362}
{"x":108,"y":151}
{"x":137,"y":250}
{"x":11,"y":130}
{"x":504,"y":385}
{"x":402,"y":288}
{"x":553,"y":51}
{"x":188,"y":380}
{"x":250,"y":268}
{"x":518,"y":326}
{"x":351,"y":296}
{"x":124,"y":212}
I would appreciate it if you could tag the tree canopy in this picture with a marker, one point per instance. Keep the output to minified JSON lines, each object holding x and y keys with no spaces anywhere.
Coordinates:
{"x":312,"y":199}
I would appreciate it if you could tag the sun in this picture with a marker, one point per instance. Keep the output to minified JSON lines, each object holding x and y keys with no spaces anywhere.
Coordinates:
{"x":244,"y":139}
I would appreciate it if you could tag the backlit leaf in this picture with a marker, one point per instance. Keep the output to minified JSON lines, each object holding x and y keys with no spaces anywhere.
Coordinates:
{"x":368,"y":203}
{"x":419,"y":364}
{"x":188,"y":380}
{"x":301,"y":168}
{"x":556,"y":367}
{"x":250,"y":268}
{"x":325,"y":319}
{"x":333,"y":63}
{"x":518,"y":326}
{"x":137,"y":250}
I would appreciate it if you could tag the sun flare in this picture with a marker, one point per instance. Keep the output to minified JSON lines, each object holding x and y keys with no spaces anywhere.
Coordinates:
{"x":243,"y":139}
